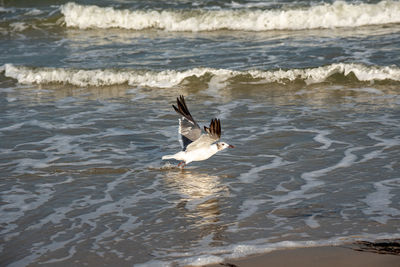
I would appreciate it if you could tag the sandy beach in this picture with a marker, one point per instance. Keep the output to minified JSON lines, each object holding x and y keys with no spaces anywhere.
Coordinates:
{"x":329,"y":256}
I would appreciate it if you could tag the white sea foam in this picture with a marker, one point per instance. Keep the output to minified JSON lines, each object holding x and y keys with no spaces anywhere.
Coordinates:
{"x":312,"y":180}
{"x":348,"y":160}
{"x":253,"y":174}
{"x":254,"y":247}
{"x":321,"y":138}
{"x":312,"y":222}
{"x":338,"y":14}
{"x":171,"y":78}
{"x":6,"y":10}
{"x":19,"y":26}
{"x":33,"y":12}
{"x":249,"y":207}
{"x":380,"y":205}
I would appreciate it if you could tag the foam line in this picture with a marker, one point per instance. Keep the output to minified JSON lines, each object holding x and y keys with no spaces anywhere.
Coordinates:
{"x":171,"y":78}
{"x":337,"y":14}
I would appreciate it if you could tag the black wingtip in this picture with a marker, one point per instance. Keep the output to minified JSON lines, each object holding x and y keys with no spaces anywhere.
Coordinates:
{"x":215,"y":128}
{"x":181,"y":101}
{"x":182,"y":109}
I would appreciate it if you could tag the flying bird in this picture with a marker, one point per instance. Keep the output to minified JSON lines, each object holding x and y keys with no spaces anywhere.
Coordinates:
{"x":196,"y":146}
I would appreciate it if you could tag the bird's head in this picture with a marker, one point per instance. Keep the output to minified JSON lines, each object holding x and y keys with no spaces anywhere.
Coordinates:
{"x":223,"y":145}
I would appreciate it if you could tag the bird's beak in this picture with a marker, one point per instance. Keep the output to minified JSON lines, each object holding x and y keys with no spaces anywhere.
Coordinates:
{"x":231,"y":146}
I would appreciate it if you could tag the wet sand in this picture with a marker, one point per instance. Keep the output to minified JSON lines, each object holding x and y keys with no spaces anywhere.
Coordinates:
{"x":316,"y":256}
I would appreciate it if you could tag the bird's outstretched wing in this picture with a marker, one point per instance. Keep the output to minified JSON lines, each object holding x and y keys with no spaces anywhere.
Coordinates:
{"x":214,"y":131}
{"x":213,"y":134}
{"x":189,"y":130}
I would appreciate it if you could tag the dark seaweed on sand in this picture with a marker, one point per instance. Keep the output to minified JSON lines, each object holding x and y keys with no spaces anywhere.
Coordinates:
{"x":381,"y":246}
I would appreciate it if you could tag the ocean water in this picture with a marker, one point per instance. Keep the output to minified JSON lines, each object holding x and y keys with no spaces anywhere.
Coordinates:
{"x":307,"y":91}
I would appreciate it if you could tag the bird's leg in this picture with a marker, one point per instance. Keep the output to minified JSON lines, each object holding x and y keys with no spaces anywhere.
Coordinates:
{"x":182,"y":164}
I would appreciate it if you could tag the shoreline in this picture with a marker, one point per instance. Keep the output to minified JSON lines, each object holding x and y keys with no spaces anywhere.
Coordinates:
{"x":353,"y":255}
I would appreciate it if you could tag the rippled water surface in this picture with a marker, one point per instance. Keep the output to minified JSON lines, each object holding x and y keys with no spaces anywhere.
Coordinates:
{"x":86,"y":115}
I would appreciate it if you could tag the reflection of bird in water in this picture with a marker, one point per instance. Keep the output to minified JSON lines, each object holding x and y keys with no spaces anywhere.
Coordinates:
{"x":200,"y":194}
{"x":196,"y":146}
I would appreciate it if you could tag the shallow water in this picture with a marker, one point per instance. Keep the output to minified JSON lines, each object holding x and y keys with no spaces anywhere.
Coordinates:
{"x":85,"y":117}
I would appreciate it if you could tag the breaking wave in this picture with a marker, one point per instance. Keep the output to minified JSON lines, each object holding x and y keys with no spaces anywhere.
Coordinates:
{"x":171,"y":78}
{"x":337,"y":14}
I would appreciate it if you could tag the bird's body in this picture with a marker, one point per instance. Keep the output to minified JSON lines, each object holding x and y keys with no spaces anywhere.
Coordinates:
{"x":195,"y":145}
{"x":199,"y":154}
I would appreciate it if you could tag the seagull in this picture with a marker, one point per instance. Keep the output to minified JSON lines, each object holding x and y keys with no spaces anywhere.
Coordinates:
{"x":195,"y":145}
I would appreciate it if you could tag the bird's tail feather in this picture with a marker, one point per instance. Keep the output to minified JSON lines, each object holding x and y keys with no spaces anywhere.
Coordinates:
{"x":168,"y":157}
